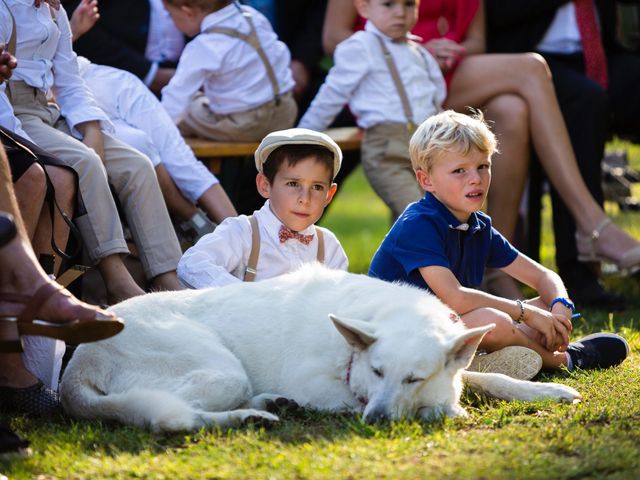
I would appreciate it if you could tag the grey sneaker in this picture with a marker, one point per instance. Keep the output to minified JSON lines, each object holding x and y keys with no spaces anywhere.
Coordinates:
{"x":199,"y":225}
{"x":516,"y":362}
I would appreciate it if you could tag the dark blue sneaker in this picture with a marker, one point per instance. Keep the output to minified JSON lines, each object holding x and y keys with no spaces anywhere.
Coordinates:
{"x":599,"y":350}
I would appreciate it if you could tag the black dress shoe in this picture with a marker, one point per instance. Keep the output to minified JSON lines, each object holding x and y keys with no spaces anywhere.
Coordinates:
{"x":11,"y":444}
{"x":37,"y":400}
{"x":586,"y":290}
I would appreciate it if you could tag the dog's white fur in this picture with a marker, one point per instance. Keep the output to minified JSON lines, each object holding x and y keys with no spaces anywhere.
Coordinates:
{"x":219,"y":356}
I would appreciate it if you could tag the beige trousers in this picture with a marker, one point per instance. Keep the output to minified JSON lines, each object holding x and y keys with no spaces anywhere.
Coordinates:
{"x":249,"y":126}
{"x":387,"y":165}
{"x":129,"y":172}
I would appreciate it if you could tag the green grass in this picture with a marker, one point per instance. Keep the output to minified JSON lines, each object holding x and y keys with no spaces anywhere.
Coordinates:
{"x":597,"y":438}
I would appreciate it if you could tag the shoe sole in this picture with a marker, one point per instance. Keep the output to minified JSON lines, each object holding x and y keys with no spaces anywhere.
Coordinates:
{"x":516,"y":362}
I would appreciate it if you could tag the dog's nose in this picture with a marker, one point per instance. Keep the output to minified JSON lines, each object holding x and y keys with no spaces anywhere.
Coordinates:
{"x":375,"y":416}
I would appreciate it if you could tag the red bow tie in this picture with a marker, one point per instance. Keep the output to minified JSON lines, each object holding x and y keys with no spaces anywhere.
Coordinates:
{"x":285,"y":234}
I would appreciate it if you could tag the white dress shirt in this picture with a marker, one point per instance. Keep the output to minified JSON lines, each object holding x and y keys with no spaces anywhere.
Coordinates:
{"x":141,"y":122}
{"x":360,"y":77}
{"x":44,"y":48}
{"x":229,"y":69}
{"x":221,"y":257}
{"x":563,"y":35}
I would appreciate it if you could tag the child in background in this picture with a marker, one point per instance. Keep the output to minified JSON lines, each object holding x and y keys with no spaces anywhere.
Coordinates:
{"x":296,"y":168}
{"x":391,"y":84}
{"x":444,"y":242}
{"x":140,"y":121}
{"x":241,"y":67}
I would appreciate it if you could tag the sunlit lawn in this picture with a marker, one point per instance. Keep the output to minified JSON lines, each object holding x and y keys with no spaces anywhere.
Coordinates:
{"x":598,"y":438}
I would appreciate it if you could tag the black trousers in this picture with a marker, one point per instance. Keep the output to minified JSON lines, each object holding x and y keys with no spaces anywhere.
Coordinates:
{"x":592,"y":114}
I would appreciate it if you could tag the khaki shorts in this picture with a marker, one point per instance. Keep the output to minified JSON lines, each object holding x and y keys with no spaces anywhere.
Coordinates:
{"x":387,"y":165}
{"x":249,"y":126}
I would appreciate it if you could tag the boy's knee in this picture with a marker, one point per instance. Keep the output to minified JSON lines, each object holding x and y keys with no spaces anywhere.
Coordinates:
{"x":501,"y":335}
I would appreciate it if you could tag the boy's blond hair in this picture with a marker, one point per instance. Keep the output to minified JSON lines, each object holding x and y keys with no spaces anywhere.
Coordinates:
{"x":450,"y":131}
{"x":205,"y":5}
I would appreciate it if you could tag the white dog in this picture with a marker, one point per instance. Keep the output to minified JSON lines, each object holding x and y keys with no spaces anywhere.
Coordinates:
{"x":325,"y":339}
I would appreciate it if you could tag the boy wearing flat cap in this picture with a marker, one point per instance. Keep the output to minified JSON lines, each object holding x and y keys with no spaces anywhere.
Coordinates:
{"x":296,"y":168}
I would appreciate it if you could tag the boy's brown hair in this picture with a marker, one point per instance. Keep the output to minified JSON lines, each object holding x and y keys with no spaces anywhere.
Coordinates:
{"x":293,"y":154}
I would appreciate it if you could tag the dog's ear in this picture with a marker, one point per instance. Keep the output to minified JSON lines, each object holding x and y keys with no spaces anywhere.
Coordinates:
{"x":465,"y":345}
{"x":357,"y":333}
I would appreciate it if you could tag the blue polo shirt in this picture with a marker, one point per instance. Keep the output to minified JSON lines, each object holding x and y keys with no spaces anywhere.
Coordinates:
{"x":428,"y":234}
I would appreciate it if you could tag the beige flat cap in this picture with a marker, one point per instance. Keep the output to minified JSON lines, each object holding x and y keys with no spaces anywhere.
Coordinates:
{"x":297,"y":136}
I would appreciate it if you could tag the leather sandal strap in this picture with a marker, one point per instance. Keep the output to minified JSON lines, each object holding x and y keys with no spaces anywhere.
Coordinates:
{"x":595,"y":233}
{"x":35,"y":302}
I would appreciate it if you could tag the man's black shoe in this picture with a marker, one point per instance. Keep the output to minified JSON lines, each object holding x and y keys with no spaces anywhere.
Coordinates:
{"x":599,"y":350}
{"x":586,"y":290}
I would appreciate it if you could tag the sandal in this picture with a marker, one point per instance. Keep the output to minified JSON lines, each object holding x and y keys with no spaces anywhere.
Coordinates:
{"x":75,"y":331}
{"x":588,"y":251}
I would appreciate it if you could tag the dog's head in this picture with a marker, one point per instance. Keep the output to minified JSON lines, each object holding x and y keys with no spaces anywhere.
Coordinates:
{"x":402,"y":372}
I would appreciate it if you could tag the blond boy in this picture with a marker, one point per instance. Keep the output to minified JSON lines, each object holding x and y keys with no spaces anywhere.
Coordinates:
{"x":444,"y":243}
{"x":296,"y":168}
{"x":233,"y":80}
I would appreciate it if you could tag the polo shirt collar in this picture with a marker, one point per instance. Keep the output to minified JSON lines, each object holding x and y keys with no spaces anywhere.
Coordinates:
{"x":473,"y":225}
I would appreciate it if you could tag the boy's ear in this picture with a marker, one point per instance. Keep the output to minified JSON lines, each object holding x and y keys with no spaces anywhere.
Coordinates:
{"x":424,"y":180}
{"x":263,"y":185}
{"x":331,"y":193}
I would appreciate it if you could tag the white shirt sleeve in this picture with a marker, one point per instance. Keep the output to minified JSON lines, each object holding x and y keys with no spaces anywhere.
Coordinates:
{"x":351,"y":64}
{"x":436,"y":76}
{"x":335,"y":256}
{"x":220,"y":257}
{"x":195,"y":65}
{"x":76,"y":102}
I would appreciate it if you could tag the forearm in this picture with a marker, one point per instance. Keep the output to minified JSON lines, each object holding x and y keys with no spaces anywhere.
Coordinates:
{"x":465,"y":300}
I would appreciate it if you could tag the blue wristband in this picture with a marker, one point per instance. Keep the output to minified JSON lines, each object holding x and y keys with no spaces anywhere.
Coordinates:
{"x":564,"y":301}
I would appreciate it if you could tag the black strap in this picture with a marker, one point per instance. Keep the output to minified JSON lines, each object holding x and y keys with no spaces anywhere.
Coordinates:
{"x":50,"y":198}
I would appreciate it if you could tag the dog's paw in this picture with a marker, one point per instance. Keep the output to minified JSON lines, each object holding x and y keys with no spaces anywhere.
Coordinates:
{"x":282,"y":405}
{"x":274,"y":403}
{"x":258,"y":418}
{"x":560,"y":393}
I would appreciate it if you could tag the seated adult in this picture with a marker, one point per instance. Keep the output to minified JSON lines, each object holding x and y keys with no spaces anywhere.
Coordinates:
{"x":517,"y":94}
{"x":596,"y":82}
{"x":27,"y":293}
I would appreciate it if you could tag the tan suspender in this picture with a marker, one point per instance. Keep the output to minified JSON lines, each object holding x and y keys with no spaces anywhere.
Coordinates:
{"x":395,"y":76}
{"x":320,"y":234}
{"x":252,"y":39}
{"x":252,"y":264}
{"x":11,"y":47}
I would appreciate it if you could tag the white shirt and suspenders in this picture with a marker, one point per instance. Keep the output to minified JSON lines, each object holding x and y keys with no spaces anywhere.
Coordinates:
{"x":223,"y":256}
{"x":233,"y":41}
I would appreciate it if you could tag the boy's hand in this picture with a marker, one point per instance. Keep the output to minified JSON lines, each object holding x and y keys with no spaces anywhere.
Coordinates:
{"x":7,"y":63}
{"x":84,"y":17}
{"x":446,"y":52}
{"x":92,"y":137}
{"x":553,"y":327}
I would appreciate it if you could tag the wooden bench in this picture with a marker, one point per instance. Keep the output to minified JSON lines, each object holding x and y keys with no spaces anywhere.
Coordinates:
{"x":213,"y":153}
